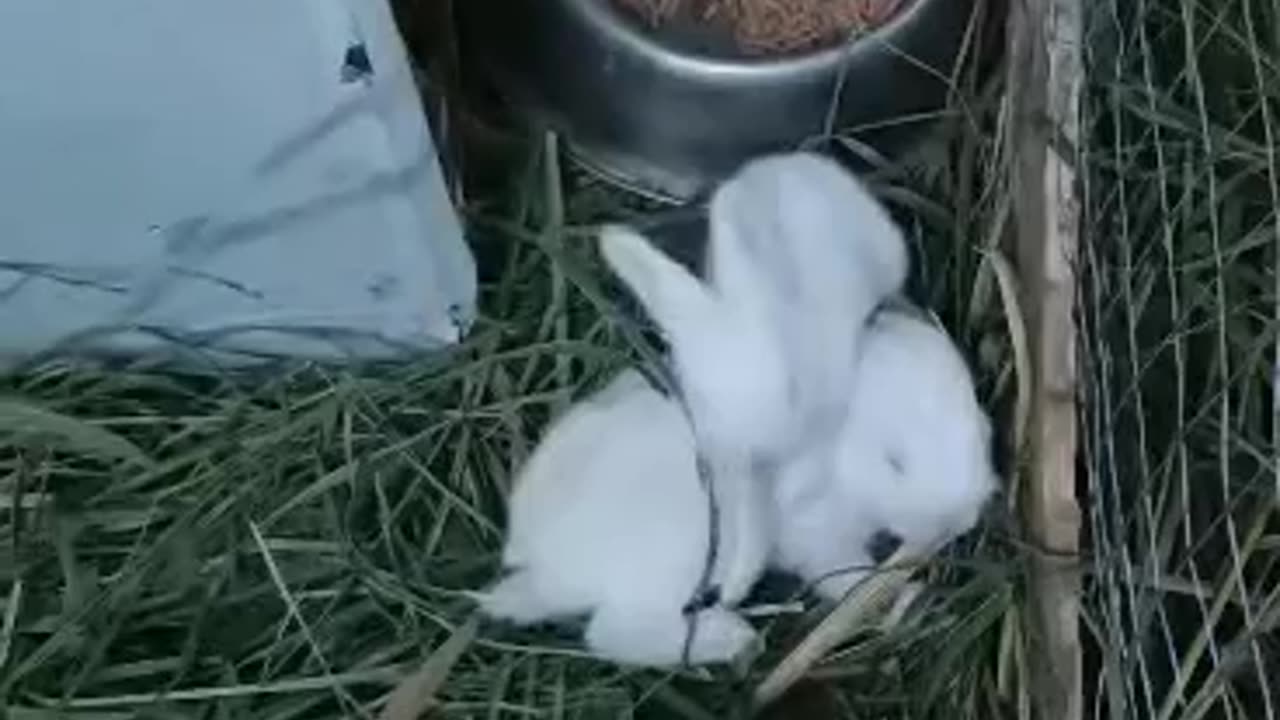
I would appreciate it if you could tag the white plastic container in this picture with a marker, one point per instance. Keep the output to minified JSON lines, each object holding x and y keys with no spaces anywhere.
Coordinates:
{"x":239,"y":179}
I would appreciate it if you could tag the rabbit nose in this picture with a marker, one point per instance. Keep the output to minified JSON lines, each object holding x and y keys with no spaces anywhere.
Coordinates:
{"x":882,"y":545}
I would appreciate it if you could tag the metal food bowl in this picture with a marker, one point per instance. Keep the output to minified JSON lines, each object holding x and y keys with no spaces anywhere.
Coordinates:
{"x":672,"y":114}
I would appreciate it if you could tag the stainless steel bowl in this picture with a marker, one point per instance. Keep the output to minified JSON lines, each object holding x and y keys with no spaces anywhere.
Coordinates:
{"x":672,"y":115}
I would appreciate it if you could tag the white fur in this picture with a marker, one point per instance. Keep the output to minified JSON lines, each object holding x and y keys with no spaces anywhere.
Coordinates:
{"x":799,"y":255}
{"x":805,"y":246}
{"x":729,"y":362}
{"x":731,"y":375}
{"x":608,"y":519}
{"x":913,"y":407}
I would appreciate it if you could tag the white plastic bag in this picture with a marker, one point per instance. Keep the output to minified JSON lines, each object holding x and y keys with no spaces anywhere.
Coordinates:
{"x":239,"y":179}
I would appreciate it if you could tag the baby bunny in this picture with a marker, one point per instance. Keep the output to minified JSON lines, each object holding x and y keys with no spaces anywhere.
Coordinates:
{"x":912,"y":466}
{"x":799,"y":255}
{"x":608,"y":519}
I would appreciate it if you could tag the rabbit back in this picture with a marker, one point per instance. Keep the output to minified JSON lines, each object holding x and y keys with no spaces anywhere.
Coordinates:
{"x":609,"y":520}
{"x":609,"y":504}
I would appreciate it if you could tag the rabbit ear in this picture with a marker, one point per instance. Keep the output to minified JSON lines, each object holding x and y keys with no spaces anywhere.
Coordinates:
{"x":729,"y":367}
{"x":808,"y":219}
{"x":681,"y":305}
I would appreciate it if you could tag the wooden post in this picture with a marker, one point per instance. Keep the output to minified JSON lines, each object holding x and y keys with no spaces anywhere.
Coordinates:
{"x":1045,"y":73}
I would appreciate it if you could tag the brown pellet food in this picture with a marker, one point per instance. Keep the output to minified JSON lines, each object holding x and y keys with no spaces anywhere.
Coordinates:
{"x":772,"y":27}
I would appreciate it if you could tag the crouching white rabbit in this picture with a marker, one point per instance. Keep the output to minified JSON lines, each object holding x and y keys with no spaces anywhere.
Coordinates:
{"x":608,"y":519}
{"x":911,"y":469}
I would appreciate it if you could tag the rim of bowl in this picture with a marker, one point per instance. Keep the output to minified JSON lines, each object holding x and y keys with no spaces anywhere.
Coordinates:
{"x":609,"y":20}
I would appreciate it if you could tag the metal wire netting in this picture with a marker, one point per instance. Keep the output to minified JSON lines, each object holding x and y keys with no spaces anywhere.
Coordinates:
{"x":1179,"y":311}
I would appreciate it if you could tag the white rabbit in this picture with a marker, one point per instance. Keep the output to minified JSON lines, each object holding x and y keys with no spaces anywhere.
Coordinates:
{"x":608,"y":519}
{"x":799,"y":255}
{"x":912,"y":465}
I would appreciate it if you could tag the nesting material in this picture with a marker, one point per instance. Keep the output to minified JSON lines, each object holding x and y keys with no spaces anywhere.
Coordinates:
{"x":773,"y":27}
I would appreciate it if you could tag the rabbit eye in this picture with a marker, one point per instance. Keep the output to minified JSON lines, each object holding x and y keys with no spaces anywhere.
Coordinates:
{"x":882,"y":545}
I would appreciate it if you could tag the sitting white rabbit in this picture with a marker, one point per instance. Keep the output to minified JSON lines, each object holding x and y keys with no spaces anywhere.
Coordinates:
{"x":912,"y":466}
{"x":608,"y":519}
{"x":799,"y":256}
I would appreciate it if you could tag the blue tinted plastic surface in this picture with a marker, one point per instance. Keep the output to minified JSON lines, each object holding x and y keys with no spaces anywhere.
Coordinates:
{"x":241,"y":179}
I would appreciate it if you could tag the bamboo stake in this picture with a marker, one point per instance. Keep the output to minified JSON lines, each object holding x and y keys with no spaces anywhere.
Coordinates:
{"x":1045,"y":72}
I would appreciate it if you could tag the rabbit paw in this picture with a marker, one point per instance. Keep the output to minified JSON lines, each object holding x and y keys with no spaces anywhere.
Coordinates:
{"x":519,"y":600}
{"x":657,"y":639}
{"x":721,"y":636}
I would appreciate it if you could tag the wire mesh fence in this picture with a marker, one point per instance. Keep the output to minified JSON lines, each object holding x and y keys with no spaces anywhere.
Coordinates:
{"x":1180,"y":313}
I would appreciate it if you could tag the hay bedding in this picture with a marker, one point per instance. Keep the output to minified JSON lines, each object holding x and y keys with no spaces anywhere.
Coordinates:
{"x":772,"y":27}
